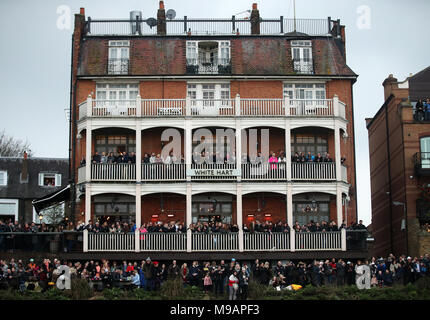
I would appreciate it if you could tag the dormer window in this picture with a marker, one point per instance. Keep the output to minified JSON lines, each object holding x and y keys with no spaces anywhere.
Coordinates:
{"x":208,"y":57}
{"x":302,"y":56}
{"x":118,"y":62}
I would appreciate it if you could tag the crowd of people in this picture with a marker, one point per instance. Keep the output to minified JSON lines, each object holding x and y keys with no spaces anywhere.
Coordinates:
{"x":207,"y":157}
{"x":422,"y":110}
{"x":214,"y":277}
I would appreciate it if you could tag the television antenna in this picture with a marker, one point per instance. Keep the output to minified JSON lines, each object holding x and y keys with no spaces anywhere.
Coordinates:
{"x":171,"y":14}
{"x":151,"y":22}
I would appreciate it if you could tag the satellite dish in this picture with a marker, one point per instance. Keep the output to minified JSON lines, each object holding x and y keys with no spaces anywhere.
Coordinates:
{"x":151,"y":22}
{"x":171,"y":14}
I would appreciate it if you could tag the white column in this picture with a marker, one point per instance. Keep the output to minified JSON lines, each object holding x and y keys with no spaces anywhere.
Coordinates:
{"x":138,"y":106}
{"x":336,"y":105}
{"x":343,"y":239}
{"x":87,"y":203}
{"x":138,"y":205}
{"x":188,"y":106}
{"x":292,"y":240}
{"x":237,"y":105}
{"x":239,"y":149}
{"x":88,"y":141}
{"x":290,"y":205}
{"x":89,"y":106}
{"x":85,"y":241}
{"x":339,"y":205}
{"x":287,"y":105}
{"x":189,"y":217}
{"x":337,"y":151}
{"x":138,"y":151}
{"x":239,"y":214}
{"x":188,"y":147}
{"x":288,"y":148}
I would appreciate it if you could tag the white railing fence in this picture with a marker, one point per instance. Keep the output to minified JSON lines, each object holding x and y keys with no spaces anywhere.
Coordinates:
{"x":81,"y":174}
{"x":163,"y":241}
{"x":82,"y":110}
{"x":163,"y":107}
{"x":114,"y":108}
{"x":262,"y":107}
{"x":163,"y":172}
{"x":307,"y":241}
{"x":313,"y":170}
{"x":113,"y":171}
{"x":301,"y":107}
{"x":264,"y":171}
{"x":213,"y":107}
{"x":215,"y":241}
{"x":266,"y":241}
{"x":111,"y":241}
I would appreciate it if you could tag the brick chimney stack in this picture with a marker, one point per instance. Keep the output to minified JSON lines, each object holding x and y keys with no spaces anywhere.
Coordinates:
{"x":161,"y":20}
{"x":24,"y":171}
{"x":255,"y":20}
{"x":390,"y":84}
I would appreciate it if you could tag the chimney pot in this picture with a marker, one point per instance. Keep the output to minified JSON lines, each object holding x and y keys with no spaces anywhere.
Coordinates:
{"x":82,"y":11}
{"x":161,"y":4}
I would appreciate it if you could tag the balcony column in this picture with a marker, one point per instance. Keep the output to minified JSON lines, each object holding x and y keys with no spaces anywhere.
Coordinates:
{"x":336,"y":105}
{"x":188,"y":147}
{"x":239,"y":149}
{"x":239,"y":214}
{"x":237,"y":105}
{"x":138,"y":206}
{"x":288,"y":148}
{"x":290,"y":205}
{"x":87,"y":203}
{"x":138,"y":106}
{"x":339,"y":211}
{"x":189,"y":217}
{"x":138,"y":151}
{"x":188,"y":106}
{"x":337,"y":151}
{"x":89,"y":106}
{"x":88,"y":142}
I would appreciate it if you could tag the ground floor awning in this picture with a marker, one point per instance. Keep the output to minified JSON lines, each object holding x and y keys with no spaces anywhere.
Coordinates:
{"x":51,"y":199}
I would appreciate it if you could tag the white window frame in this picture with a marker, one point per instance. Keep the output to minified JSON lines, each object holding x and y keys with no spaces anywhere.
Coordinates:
{"x":199,"y":88}
{"x":57,"y":177}
{"x":109,"y":88}
{"x":122,"y":52}
{"x":11,"y":201}
{"x":314,"y":90}
{"x":299,"y":47}
{"x":224,"y":51}
{"x":3,"y":182}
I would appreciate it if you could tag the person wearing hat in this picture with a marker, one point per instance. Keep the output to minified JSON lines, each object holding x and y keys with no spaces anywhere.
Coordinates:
{"x":149,"y":270}
{"x":157,"y":275}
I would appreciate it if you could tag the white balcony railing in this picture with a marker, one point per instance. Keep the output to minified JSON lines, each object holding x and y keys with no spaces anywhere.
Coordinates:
{"x":308,"y":241}
{"x":212,"y":107}
{"x":201,"y":242}
{"x":164,"y":172}
{"x":344,"y":173}
{"x":111,"y":241}
{"x":114,"y":108}
{"x":113,"y":171}
{"x":262,"y":107}
{"x":215,"y":241}
{"x":163,"y":241}
{"x":81,"y":174}
{"x":264,"y":171}
{"x":322,"y":107}
{"x":313,"y":171}
{"x":163,"y":107}
{"x":266,"y":241}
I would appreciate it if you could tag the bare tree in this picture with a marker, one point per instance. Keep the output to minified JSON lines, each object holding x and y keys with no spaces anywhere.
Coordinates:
{"x":11,"y":147}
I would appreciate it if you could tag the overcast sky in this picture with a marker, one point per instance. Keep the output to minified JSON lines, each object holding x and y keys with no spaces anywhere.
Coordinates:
{"x":35,"y":58}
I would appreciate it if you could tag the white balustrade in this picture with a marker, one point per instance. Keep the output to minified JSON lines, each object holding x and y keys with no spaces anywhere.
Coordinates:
{"x":262,"y":107}
{"x":215,"y":241}
{"x":256,"y":241}
{"x":344,"y":173}
{"x":114,"y":108}
{"x":313,"y":171}
{"x":82,"y":110}
{"x":163,"y":107}
{"x":212,"y":107}
{"x":342,"y":109}
{"x":264,"y":171}
{"x":81,"y":174}
{"x":304,"y":107}
{"x":163,"y":172}
{"x":308,"y":241}
{"x":158,"y":241}
{"x":111,"y":241}
{"x":113,"y":171}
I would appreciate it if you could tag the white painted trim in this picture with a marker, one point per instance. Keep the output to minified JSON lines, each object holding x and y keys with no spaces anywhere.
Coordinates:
{"x":11,"y":201}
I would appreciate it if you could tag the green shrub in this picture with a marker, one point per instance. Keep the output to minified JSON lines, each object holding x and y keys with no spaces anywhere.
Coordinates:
{"x":80,"y":290}
{"x":173,"y":289}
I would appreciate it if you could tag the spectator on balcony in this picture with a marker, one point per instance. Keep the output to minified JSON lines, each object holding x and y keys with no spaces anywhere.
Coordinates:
{"x":427,"y":109}
{"x":103,"y":158}
{"x":343,"y":160}
{"x":319,"y":158}
{"x":245,"y":158}
{"x":310,"y":157}
{"x":295,"y":158}
{"x":111,"y":158}
{"x":96,"y":158}
{"x":273,"y":160}
{"x":328,"y":158}
{"x":83,"y":162}
{"x":419,"y":110}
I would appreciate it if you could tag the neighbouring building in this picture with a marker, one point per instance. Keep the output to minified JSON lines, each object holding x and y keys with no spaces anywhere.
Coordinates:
{"x":134,"y":78}
{"x":25,"y":179}
{"x":399,"y":149}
